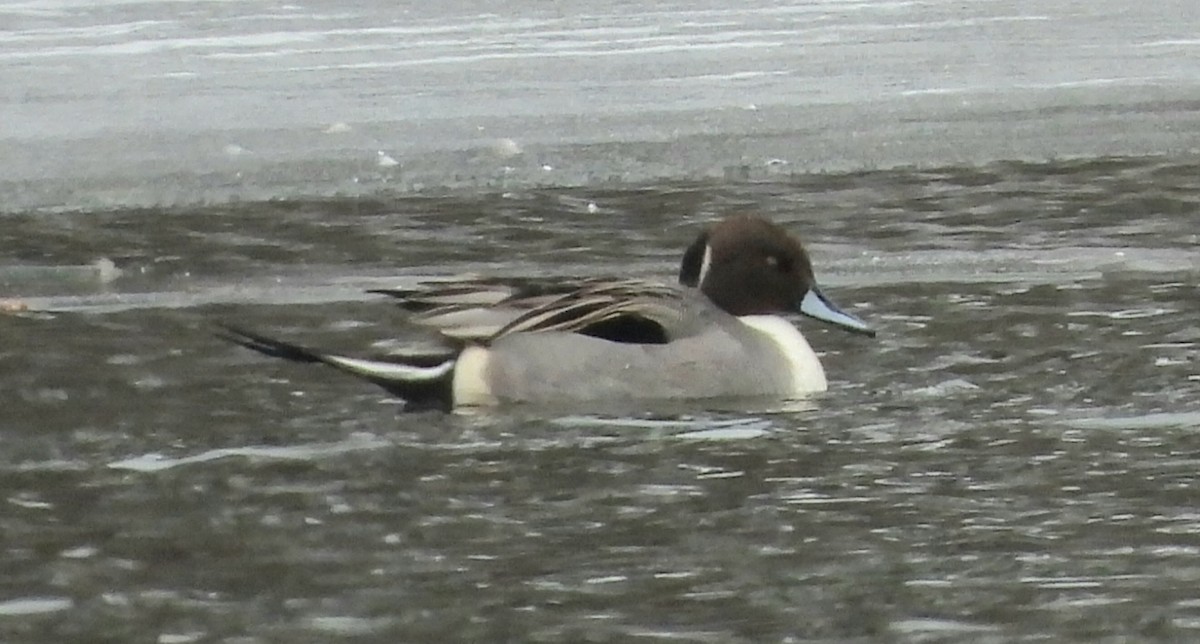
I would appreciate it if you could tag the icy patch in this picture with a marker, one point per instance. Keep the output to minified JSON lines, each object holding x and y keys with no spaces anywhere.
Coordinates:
{"x":34,"y":606}
{"x":159,"y":462}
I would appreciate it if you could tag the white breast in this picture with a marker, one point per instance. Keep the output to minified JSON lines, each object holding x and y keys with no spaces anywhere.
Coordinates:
{"x":807,"y":374}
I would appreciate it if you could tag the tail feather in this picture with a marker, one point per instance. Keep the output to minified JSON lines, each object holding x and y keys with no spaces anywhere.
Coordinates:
{"x":416,"y":378}
{"x":267,"y":346}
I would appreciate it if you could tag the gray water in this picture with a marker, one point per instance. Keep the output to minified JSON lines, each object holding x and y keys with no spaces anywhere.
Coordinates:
{"x":1014,"y":458}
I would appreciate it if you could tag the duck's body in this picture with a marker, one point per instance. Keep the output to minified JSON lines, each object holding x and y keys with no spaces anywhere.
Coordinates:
{"x":729,"y":357}
{"x":614,"y":340}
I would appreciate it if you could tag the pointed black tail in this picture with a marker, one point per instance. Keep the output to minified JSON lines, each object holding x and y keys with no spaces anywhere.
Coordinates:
{"x":421,"y":380}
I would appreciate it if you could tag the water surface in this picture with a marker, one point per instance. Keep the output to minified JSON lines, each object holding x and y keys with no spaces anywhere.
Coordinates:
{"x":1013,"y":458}
{"x":1007,"y":190}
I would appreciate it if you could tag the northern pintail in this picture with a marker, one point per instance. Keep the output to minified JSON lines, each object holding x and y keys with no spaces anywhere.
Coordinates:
{"x":716,"y":334}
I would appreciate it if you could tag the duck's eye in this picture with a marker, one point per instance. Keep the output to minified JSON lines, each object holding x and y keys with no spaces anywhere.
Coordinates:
{"x":779,"y":263}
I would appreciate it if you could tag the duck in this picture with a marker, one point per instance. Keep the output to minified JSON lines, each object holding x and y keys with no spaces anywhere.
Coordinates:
{"x":720,"y":332}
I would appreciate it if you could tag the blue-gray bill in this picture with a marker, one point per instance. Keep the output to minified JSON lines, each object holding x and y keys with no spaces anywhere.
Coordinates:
{"x":816,"y":305}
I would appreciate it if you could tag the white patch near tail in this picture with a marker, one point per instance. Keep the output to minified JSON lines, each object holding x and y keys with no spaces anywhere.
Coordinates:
{"x":471,"y":387}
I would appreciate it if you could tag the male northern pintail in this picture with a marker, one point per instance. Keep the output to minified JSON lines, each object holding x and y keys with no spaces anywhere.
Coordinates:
{"x":613,"y":340}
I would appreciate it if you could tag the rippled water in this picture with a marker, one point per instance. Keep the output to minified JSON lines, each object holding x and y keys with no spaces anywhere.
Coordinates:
{"x":1013,"y":458}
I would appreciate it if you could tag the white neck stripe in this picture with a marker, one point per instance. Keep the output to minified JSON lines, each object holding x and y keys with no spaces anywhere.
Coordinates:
{"x":705,"y":264}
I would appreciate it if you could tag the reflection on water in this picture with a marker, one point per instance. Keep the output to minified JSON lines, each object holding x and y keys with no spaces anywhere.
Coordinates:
{"x":1014,"y":457}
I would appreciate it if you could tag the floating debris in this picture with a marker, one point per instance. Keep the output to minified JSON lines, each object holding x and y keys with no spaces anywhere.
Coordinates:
{"x":13,"y":306}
